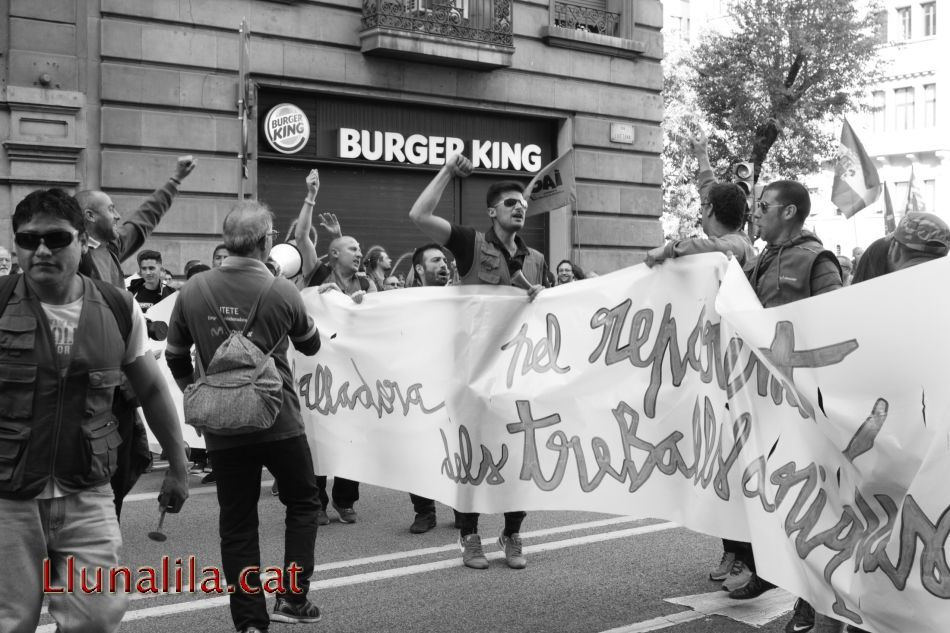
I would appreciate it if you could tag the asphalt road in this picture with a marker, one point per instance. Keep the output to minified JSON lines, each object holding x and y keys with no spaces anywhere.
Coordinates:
{"x":587,"y":573}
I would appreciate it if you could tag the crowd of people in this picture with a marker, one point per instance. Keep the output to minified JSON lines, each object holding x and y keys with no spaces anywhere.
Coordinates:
{"x":94,"y":358}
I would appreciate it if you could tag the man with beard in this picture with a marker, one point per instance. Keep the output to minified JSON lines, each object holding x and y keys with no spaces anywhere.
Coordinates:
{"x":110,"y":244}
{"x":498,"y":258}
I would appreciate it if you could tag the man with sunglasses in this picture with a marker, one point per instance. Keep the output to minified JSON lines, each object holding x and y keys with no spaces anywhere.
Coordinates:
{"x":61,"y":354}
{"x":498,"y":257}
{"x":110,"y":244}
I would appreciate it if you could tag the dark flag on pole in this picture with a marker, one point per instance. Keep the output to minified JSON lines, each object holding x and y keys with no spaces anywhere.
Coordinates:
{"x":856,"y":182}
{"x":890,"y":222}
{"x":915,"y":200}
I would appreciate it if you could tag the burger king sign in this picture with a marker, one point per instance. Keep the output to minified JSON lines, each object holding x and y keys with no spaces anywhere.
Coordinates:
{"x":287,"y":128}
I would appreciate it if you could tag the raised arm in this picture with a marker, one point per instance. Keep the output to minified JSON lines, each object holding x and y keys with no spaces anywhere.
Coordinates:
{"x":306,"y":246}
{"x":423,"y":210}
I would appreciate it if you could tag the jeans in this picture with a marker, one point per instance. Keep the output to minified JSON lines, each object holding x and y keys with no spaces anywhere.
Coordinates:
{"x":345,"y":492}
{"x":37,"y":533}
{"x":238,"y":471}
{"x":469,"y":522}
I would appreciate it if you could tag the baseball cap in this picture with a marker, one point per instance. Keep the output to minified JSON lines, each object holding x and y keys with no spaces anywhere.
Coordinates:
{"x":924,"y":233}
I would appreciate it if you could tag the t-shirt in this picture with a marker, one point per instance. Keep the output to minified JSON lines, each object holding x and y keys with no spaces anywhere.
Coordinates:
{"x":147,"y":298}
{"x":63,"y":322}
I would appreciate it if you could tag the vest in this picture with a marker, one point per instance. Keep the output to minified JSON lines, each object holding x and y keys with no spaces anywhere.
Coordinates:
{"x":489,"y":265}
{"x":787,"y":276}
{"x":53,"y":424}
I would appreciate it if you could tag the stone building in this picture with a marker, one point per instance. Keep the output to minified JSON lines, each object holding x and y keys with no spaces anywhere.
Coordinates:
{"x":106,"y":93}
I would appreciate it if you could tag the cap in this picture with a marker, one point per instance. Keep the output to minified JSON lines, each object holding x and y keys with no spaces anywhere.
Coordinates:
{"x":924,"y":233}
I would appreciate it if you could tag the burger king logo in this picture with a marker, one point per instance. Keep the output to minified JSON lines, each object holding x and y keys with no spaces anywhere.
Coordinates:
{"x":287,"y":128}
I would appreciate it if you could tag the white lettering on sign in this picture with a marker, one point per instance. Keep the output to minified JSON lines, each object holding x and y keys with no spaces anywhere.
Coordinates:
{"x":418,"y":149}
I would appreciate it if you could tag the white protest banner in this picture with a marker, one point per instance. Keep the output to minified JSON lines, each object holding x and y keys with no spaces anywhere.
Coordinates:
{"x":553,"y":187}
{"x":162,"y":311}
{"x":820,"y":435}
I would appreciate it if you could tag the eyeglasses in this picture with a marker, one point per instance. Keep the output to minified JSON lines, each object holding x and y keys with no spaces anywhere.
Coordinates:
{"x":511,"y":202}
{"x":53,"y":240}
{"x":272,"y":234}
{"x":765,"y":206}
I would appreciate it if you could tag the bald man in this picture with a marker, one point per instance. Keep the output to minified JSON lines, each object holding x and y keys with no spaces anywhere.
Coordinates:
{"x":341,"y":270}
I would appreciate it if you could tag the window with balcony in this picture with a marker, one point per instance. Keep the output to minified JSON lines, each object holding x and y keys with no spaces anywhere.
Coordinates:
{"x":930,"y":105}
{"x":929,"y":9}
{"x":587,"y":15}
{"x":878,"y":111}
{"x":601,"y":26}
{"x":904,"y":21}
{"x":468,"y":33}
{"x":904,"y":108}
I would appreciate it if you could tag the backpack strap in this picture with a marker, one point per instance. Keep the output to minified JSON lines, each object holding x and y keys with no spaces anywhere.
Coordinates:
{"x":7,"y":286}
{"x":121,"y":305}
{"x":257,"y":304}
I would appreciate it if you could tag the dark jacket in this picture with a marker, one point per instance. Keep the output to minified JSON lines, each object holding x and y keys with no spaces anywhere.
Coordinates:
{"x":783,"y":273}
{"x":490,"y":267}
{"x":52,"y":424}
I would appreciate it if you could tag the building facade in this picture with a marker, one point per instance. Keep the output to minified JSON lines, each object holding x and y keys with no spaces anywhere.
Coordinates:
{"x":107,"y":93}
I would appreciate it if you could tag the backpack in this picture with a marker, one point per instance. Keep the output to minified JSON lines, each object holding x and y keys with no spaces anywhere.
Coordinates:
{"x":114,"y":298}
{"x":241,"y":390}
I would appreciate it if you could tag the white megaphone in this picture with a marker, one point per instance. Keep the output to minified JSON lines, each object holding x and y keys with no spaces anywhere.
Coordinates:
{"x":287,"y":258}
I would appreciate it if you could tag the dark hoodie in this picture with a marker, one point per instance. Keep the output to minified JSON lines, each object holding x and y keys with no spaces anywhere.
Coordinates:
{"x":794,"y":270}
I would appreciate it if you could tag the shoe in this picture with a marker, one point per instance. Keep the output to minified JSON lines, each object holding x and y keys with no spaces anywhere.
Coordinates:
{"x":512,"y":546}
{"x":210,"y":478}
{"x":424,"y":522}
{"x":347,"y":515}
{"x":725,"y":566}
{"x":472,"y":554}
{"x":322,"y":517}
{"x":295,"y":613}
{"x":273,"y":489}
{"x":739,"y":575}
{"x":752,"y":589}
{"x":803,"y":618}
{"x":253,"y":629}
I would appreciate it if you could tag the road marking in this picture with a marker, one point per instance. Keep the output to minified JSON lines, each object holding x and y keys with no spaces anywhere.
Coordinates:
{"x":662,"y":622}
{"x":757,"y":612}
{"x":386,"y":574}
{"x":153,"y":496}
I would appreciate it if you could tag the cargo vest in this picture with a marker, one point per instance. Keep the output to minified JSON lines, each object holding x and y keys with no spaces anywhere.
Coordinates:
{"x":490,"y":267}
{"x":57,"y":423}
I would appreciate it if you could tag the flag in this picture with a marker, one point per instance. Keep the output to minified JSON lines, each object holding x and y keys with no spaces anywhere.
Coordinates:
{"x":553,"y":187}
{"x":890,"y":222}
{"x":856,"y":182}
{"x":915,"y":199}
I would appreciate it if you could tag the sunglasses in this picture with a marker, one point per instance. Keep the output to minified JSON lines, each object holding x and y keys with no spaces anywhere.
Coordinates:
{"x":511,"y":202}
{"x":53,"y":240}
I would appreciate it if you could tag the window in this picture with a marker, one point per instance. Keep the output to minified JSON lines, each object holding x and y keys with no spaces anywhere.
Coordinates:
{"x":903,"y":16}
{"x":877,"y":111}
{"x":904,"y":108}
{"x":930,"y":105}
{"x":930,"y":18}
{"x":901,"y":189}
{"x":454,"y":9}
{"x":930,"y":194}
{"x":880,"y":29}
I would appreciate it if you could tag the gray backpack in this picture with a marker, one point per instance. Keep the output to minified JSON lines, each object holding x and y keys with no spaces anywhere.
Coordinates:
{"x":241,"y":391}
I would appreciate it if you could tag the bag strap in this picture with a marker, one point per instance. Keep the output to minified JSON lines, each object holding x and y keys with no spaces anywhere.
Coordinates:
{"x":257,"y":304}
{"x":121,"y":308}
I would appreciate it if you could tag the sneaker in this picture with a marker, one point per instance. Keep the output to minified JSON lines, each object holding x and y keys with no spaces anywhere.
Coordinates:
{"x":803,"y":618}
{"x":424,"y":522}
{"x":739,"y":575}
{"x":210,"y":478}
{"x":725,"y":566}
{"x":347,"y":515}
{"x":273,"y":489}
{"x":253,"y":629}
{"x":512,"y":546}
{"x":322,"y":517}
{"x":752,"y":589}
{"x":472,"y":554}
{"x":295,"y":613}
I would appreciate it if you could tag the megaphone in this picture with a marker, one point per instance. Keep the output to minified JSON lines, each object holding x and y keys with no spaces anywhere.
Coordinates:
{"x":287,"y":258}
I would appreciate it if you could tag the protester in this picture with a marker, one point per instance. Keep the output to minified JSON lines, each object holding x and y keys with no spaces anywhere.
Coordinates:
{"x":429,"y":268}
{"x":378,"y":265}
{"x":567,"y":272}
{"x":498,"y":257}
{"x":56,"y":504}
{"x":845,"y":263}
{"x":304,"y":234}
{"x":391,"y":283}
{"x":236,"y":288}
{"x":856,"y":254}
{"x":149,"y":288}
{"x":6,"y":261}
{"x":794,"y":265}
{"x":110,"y":244}
{"x":218,"y":256}
{"x":197,"y":268}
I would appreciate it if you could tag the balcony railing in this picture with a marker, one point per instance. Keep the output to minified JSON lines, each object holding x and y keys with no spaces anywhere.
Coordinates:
{"x":479,"y":21}
{"x":572,"y":16}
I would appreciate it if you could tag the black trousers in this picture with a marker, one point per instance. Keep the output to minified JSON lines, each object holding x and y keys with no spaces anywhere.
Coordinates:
{"x":238,"y":471}
{"x":345,"y":492}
